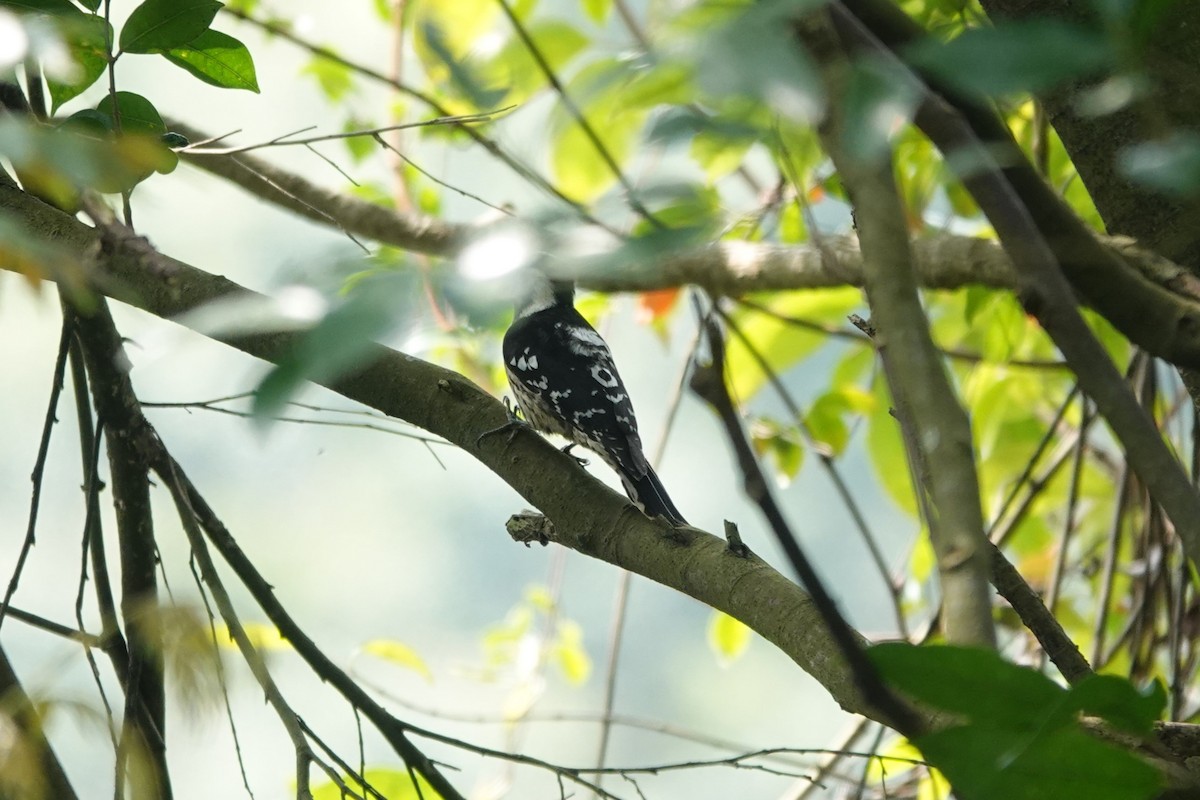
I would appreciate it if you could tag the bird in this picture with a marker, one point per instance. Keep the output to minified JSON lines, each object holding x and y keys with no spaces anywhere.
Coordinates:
{"x":566,"y":383}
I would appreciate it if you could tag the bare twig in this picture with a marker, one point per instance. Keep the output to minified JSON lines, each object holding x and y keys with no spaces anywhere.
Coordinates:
{"x":525,"y":172}
{"x":287,"y":139}
{"x":39,"y":468}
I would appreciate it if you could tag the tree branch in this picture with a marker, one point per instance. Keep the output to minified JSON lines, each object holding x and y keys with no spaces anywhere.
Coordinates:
{"x":143,"y":735}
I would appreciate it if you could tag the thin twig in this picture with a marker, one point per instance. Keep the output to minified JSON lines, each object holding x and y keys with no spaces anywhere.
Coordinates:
{"x":39,"y":468}
{"x":391,"y":148}
{"x":286,"y":139}
{"x":219,"y":667}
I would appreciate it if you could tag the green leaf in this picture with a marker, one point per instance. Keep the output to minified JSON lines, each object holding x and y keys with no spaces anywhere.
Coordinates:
{"x":359,"y":147}
{"x":460,"y":23}
{"x":1025,"y":56}
{"x":792,"y":228}
{"x":87,"y":37}
{"x":597,"y":10}
{"x":727,"y":637}
{"x":780,"y":343}
{"x":262,"y":636}
{"x":888,"y":457}
{"x":393,"y":784}
{"x":55,"y":7}
{"x":515,"y":68}
{"x":158,"y":25}
{"x":1119,"y":702}
{"x":216,"y":58}
{"x":338,"y":343}
{"x":90,"y":5}
{"x":991,"y":763}
{"x":568,"y":653}
{"x":896,"y":758}
{"x":826,"y":417}
{"x":142,"y":142}
{"x":973,"y":682}
{"x":878,"y":105}
{"x":137,"y":114}
{"x":780,"y":444}
{"x":578,"y":170}
{"x":465,"y":73}
{"x":754,"y":54}
{"x":719,"y":154}
{"x":666,"y":83}
{"x":335,"y":79}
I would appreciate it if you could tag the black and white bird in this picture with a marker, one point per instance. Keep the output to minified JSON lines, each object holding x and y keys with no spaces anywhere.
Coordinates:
{"x":566,"y":383}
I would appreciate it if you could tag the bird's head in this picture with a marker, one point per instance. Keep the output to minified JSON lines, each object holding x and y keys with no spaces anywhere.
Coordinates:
{"x":542,"y":292}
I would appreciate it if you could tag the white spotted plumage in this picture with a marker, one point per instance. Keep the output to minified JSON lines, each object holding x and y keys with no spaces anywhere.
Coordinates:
{"x":566,"y":383}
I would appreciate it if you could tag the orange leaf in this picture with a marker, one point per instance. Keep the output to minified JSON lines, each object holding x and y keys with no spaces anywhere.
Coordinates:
{"x":653,"y":306}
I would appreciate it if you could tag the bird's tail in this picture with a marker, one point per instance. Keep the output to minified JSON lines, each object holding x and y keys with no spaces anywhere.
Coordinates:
{"x":648,"y":493}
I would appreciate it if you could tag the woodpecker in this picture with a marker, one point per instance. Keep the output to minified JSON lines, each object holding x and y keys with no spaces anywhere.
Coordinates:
{"x":566,"y":383}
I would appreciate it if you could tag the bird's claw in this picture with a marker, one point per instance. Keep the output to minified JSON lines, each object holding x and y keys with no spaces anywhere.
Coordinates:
{"x":580,"y":460}
{"x":511,"y":425}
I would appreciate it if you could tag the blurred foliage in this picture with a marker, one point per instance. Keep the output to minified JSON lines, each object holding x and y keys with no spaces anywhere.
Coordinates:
{"x":393,"y":784}
{"x":707,"y":134}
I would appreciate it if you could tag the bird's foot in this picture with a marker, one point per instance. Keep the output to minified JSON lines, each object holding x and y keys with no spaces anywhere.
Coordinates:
{"x":581,"y":461}
{"x":511,"y":425}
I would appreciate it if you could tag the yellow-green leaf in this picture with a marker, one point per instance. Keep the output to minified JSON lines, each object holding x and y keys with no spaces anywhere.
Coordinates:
{"x":569,"y":654}
{"x":727,"y":637}
{"x":262,"y":635}
{"x":394,"y":784}
{"x":783,"y":344}
{"x":399,"y":654}
{"x":894,"y":759}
